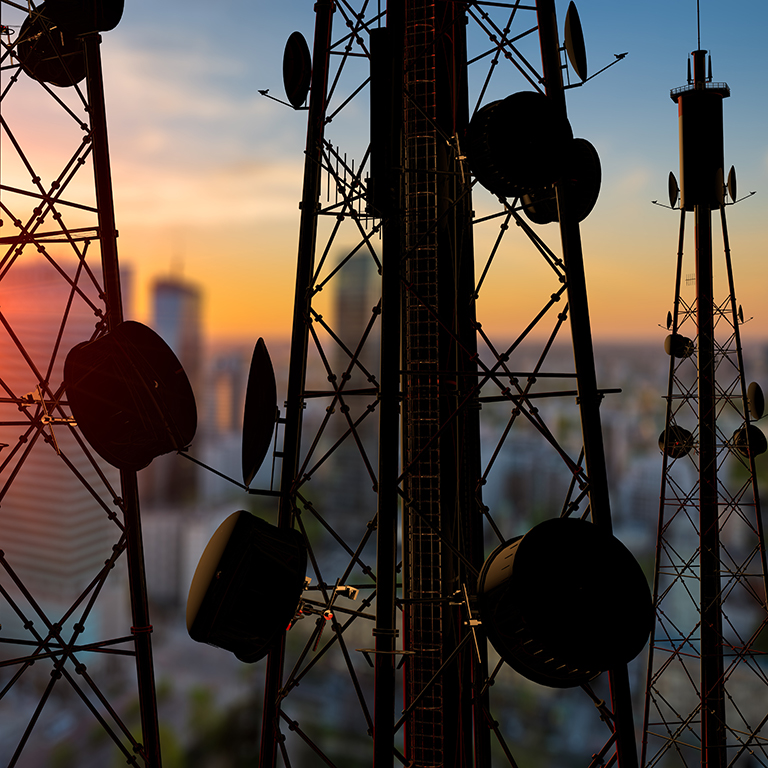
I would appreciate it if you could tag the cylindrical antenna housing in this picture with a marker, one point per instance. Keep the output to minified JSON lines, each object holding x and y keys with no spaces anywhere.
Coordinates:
{"x":700,"y":110}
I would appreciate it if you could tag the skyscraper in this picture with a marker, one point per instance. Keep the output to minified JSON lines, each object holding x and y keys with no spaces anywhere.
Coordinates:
{"x":55,"y":533}
{"x":176,"y":316}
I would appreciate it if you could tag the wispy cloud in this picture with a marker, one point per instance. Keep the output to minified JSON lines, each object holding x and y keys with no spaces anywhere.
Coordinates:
{"x":218,"y":196}
{"x":188,"y":144}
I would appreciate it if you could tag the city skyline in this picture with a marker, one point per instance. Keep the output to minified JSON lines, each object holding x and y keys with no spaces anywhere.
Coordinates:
{"x":207,"y":172}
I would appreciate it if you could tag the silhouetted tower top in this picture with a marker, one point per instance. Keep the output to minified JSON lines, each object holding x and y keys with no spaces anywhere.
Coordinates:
{"x":700,"y":110}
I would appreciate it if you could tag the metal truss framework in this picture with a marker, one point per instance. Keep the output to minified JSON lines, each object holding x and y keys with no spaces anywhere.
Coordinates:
{"x":59,"y":503}
{"x":424,"y":372}
{"x":721,"y":624}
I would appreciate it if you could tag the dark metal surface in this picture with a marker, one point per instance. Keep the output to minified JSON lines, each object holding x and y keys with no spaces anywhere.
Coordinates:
{"x":387,"y":198}
{"x":542,"y":594}
{"x":297,"y":69}
{"x":248,"y":585}
{"x":46,"y":53}
{"x":259,"y":412}
{"x":130,"y":396}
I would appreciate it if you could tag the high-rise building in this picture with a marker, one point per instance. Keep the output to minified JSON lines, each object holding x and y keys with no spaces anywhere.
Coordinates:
{"x":176,"y":316}
{"x":55,"y":529}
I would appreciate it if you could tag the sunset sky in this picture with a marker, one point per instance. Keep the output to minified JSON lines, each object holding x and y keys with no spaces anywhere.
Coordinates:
{"x":207,"y":172}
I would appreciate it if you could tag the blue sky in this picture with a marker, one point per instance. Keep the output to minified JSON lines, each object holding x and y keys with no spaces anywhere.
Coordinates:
{"x":207,"y":172}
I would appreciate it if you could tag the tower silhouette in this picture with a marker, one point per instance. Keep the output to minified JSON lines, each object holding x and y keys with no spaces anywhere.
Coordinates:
{"x":60,"y":280}
{"x":423,"y":556}
{"x":706,"y":685}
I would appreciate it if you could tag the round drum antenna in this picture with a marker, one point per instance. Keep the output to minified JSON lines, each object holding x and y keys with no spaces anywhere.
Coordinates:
{"x":519,"y":144}
{"x":564,"y":603}
{"x":48,"y":54}
{"x":81,"y":17}
{"x":247,"y":586}
{"x":130,"y":396}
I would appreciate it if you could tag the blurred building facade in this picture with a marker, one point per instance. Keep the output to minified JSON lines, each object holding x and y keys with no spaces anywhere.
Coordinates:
{"x":55,"y":533}
{"x":176,"y":305}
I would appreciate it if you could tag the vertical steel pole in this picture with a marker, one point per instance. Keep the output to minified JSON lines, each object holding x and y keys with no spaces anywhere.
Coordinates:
{"x":701,"y":145}
{"x":712,"y":701}
{"x":428,"y":500}
{"x":142,"y":628}
{"x":581,"y":331}
{"x":584,"y":361}
{"x":103,"y":181}
{"x":299,"y":342}
{"x":386,"y":165}
{"x":460,"y":452}
{"x":441,"y":530}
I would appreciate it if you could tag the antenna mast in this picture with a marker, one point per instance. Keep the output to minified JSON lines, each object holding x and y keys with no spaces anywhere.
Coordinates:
{"x":698,"y":26}
{"x":710,"y":579}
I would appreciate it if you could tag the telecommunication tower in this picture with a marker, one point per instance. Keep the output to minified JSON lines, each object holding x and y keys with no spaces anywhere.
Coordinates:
{"x":419,"y":161}
{"x":74,"y":403}
{"x":705,"y":698}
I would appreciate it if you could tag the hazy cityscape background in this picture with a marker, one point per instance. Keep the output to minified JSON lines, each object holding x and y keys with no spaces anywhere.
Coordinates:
{"x":207,"y":176}
{"x":209,"y":702}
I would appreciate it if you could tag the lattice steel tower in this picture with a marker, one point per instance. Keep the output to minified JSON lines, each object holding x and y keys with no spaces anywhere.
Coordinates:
{"x":706,"y":689}
{"x":561,"y":603}
{"x":70,"y":530}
